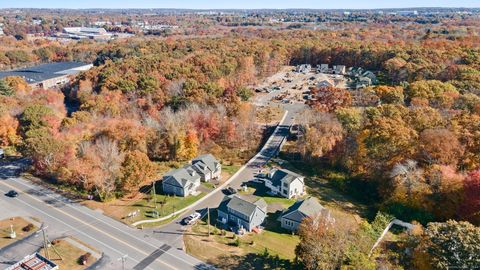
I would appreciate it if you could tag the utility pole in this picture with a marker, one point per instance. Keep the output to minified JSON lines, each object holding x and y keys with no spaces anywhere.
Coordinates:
{"x":154,"y":195}
{"x":208,"y":220}
{"x":45,"y":244}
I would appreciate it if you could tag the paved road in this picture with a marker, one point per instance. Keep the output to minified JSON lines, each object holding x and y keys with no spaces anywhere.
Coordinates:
{"x":66,"y":218}
{"x":149,"y":249}
{"x":174,"y":231}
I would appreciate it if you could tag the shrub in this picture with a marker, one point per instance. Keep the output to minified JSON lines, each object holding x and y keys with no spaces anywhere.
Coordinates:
{"x":28,"y":228}
{"x":56,"y":241}
{"x":83,"y":260}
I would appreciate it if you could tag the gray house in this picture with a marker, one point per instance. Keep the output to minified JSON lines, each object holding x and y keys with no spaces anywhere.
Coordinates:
{"x":293,"y":216}
{"x":208,"y":167}
{"x":285,"y":183}
{"x":181,"y":182}
{"x":242,"y":213}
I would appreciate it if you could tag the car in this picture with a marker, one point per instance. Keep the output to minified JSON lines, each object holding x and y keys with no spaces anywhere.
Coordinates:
{"x":191,"y":219}
{"x":2,"y":153}
{"x":262,"y":175}
{"x":11,"y":194}
{"x":230,"y":191}
{"x":258,"y":180}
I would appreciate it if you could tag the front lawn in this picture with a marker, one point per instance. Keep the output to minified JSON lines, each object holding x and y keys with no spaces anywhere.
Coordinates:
{"x":267,"y":250}
{"x":144,"y":205}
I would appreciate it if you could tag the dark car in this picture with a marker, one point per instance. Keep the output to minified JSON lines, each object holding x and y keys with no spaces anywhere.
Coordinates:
{"x":11,"y":194}
{"x":230,"y":191}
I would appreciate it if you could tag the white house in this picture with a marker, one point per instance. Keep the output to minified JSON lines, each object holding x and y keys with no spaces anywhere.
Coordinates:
{"x":285,"y":183}
{"x":208,"y":167}
{"x":339,"y":69}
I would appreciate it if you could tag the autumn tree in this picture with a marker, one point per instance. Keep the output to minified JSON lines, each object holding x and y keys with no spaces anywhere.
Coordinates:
{"x":321,"y":245}
{"x":440,"y":146}
{"x":409,"y":183}
{"x":5,"y":89}
{"x":449,"y":245}
{"x":137,"y":169}
{"x":328,"y":99}
{"x":470,"y":208}
{"x":321,"y":133}
{"x":439,"y":94}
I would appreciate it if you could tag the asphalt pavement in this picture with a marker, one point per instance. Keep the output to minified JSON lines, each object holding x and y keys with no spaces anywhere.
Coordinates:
{"x":66,"y":218}
{"x":160,"y":248}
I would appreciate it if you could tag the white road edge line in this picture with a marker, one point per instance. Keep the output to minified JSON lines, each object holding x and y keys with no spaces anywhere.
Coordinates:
{"x":99,"y":220}
{"x":108,"y":246}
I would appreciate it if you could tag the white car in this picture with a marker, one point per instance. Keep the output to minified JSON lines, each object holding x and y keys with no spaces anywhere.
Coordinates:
{"x":191,"y":219}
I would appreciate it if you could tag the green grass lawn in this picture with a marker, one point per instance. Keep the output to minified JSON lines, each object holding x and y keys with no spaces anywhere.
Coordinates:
{"x":165,"y":205}
{"x":230,"y":169}
{"x":260,"y":191}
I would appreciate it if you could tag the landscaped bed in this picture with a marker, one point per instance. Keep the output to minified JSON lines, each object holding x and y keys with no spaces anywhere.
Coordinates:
{"x":22,"y":228}
{"x":73,"y":254}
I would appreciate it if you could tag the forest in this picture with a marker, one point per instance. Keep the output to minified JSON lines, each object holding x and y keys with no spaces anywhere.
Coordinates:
{"x":413,"y":140}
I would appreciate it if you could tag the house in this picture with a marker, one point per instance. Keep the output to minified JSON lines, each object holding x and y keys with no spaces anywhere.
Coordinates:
{"x":371,"y":76}
{"x":323,"y":68}
{"x":241,"y":212}
{"x":305,"y":68}
{"x":181,"y":182}
{"x":292,"y":217}
{"x":208,"y":167}
{"x":339,"y":69}
{"x":325,"y":83}
{"x":33,"y":261}
{"x":285,"y":183}
{"x":48,"y":75}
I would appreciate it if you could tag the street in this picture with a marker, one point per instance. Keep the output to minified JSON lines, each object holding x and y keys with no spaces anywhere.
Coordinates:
{"x":160,"y":248}
{"x":66,"y":218}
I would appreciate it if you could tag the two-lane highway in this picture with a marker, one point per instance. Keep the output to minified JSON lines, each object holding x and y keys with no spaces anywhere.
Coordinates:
{"x":111,"y":237}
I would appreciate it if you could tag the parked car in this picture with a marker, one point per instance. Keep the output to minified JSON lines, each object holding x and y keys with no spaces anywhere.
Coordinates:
{"x":191,"y":219}
{"x":258,"y":180}
{"x":230,"y":191}
{"x":11,"y":194}
{"x":262,"y":175}
{"x":2,"y":153}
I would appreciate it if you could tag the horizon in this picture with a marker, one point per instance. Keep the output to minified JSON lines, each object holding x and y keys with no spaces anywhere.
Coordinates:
{"x":244,"y":5}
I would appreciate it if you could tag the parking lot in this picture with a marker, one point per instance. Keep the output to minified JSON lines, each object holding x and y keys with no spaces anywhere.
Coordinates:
{"x":290,"y":86}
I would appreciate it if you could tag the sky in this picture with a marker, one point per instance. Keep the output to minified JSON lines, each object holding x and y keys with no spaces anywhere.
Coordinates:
{"x":238,"y":4}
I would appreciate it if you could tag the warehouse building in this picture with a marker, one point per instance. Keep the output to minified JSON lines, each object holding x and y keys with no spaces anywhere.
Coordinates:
{"x":48,"y":75}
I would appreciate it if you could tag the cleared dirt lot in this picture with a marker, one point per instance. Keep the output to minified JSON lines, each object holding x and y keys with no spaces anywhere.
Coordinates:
{"x":288,"y":86}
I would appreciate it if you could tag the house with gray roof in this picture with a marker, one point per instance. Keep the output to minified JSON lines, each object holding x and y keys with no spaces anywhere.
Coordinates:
{"x":181,"y":182}
{"x":208,"y":167}
{"x":242,"y":212}
{"x":293,"y":216}
{"x":339,"y":69}
{"x":285,"y":183}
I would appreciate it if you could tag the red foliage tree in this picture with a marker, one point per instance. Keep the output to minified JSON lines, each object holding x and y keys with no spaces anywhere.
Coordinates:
{"x":470,"y":209}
